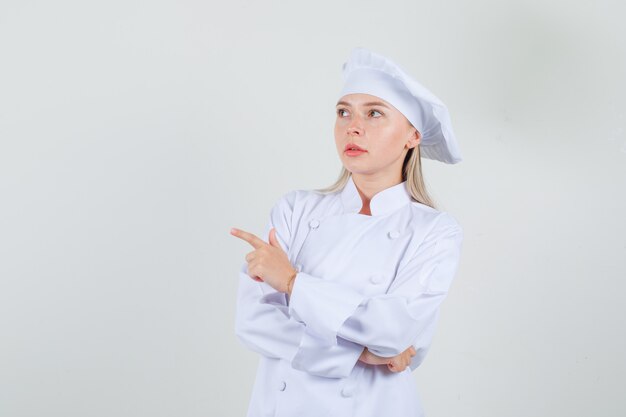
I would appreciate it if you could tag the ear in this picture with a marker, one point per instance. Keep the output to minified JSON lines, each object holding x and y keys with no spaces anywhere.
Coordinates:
{"x":414,"y":138}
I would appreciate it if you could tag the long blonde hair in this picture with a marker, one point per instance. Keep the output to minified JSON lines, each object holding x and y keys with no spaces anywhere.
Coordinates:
{"x":411,"y":173}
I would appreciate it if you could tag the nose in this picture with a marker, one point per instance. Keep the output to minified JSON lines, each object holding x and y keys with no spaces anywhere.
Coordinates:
{"x":354,"y":127}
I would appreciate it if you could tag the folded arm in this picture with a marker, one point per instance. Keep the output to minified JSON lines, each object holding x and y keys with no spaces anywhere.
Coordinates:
{"x":263,"y":323}
{"x":386,"y":324}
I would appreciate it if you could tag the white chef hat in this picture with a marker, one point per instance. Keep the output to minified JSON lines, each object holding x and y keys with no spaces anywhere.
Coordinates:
{"x":370,"y":73}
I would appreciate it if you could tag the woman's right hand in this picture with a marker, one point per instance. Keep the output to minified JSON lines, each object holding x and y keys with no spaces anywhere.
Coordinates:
{"x":396,"y":363}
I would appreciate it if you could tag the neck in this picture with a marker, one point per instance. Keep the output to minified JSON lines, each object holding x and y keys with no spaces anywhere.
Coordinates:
{"x":368,"y":186}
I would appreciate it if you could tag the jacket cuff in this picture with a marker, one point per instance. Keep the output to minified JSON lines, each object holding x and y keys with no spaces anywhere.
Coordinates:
{"x":322,"y":305}
{"x":336,"y":361}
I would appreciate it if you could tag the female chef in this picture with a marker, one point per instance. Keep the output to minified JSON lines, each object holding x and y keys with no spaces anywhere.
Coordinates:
{"x":341,"y":301}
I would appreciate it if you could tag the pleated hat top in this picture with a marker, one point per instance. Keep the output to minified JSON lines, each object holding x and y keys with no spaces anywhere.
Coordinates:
{"x":367,"y":72}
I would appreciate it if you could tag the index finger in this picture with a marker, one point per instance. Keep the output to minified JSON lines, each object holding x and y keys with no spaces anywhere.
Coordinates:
{"x":251,"y":238}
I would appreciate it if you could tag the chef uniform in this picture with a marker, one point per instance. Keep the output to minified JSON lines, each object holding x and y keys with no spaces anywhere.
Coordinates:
{"x":363,"y":281}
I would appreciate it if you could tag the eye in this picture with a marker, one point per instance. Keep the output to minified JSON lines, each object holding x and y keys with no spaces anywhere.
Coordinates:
{"x":376,"y":111}
{"x":340,"y":112}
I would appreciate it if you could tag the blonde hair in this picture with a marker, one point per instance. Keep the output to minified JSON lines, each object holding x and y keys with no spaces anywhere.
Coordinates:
{"x":411,"y":173}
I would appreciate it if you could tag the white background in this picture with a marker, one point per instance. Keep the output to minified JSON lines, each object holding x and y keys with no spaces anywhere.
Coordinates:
{"x":134,"y":134}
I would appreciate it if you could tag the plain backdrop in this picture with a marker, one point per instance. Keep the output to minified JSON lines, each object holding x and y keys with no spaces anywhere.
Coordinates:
{"x":135,"y":134}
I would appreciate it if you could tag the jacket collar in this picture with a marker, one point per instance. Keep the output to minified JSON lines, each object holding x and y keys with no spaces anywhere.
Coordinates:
{"x":383,"y":202}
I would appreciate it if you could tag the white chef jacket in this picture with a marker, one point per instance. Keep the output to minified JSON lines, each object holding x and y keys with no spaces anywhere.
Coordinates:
{"x":364,"y":281}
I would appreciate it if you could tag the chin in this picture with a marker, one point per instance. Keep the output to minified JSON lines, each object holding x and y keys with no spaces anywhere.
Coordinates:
{"x":360,"y":171}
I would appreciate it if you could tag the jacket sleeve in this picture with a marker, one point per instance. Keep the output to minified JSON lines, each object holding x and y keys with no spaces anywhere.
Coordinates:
{"x":386,"y":324}
{"x":263,"y":323}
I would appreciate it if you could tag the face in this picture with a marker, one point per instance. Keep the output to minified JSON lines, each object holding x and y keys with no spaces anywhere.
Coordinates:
{"x":379,"y":129}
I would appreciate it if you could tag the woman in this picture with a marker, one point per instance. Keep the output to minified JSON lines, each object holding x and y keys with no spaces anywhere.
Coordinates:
{"x":342,"y":300}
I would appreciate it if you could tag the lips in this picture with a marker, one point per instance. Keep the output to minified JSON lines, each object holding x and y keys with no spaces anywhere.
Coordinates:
{"x":353,"y":150}
{"x":353,"y":147}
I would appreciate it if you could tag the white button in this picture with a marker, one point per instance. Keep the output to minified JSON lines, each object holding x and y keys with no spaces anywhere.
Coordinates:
{"x":376,"y":278}
{"x":347,"y":391}
{"x":393,"y":234}
{"x":282,"y":385}
{"x":314,"y":223}
{"x":298,"y":267}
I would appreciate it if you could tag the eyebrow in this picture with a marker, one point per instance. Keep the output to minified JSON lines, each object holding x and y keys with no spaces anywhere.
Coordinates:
{"x":371,"y":103}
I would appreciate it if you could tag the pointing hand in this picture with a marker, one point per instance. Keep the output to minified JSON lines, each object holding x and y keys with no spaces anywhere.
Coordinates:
{"x":268,"y":261}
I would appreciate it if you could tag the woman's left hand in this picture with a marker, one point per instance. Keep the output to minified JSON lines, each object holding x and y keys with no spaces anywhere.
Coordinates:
{"x":396,"y":363}
{"x":268,"y":262}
